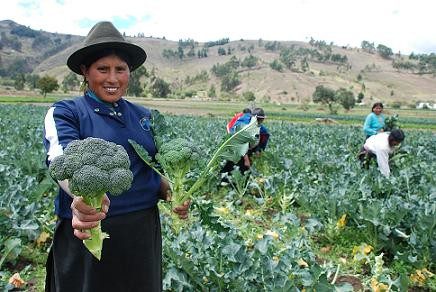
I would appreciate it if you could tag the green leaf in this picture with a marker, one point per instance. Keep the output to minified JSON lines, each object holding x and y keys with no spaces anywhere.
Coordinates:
{"x":236,"y":146}
{"x":233,"y":148}
{"x":262,"y":246}
{"x":143,"y":154}
{"x":12,"y":247}
{"x":230,"y":250}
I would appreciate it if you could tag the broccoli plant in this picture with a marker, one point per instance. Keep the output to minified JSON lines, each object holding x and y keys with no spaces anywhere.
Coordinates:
{"x":178,"y":157}
{"x":392,"y":122}
{"x":93,"y":167}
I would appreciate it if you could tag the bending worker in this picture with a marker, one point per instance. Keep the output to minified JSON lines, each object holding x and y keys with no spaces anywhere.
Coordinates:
{"x":380,"y":146}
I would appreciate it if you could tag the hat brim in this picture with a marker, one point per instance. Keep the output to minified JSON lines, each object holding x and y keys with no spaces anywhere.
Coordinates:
{"x":137,"y":55}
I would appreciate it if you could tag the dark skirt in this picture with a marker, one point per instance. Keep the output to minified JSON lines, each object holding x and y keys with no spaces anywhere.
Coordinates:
{"x":131,"y":258}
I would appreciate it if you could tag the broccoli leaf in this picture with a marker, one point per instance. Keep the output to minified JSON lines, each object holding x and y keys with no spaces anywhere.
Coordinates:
{"x":145,"y":156}
{"x":235,"y":146}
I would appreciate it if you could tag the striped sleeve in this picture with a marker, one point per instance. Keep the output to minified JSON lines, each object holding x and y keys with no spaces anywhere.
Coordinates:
{"x":60,"y":128}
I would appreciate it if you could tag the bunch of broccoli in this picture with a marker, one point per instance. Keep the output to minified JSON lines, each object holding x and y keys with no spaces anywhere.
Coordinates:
{"x":93,"y":167}
{"x":392,"y":122}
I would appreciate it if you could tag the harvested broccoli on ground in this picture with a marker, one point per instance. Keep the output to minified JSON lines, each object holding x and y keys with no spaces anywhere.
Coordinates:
{"x":93,"y":167}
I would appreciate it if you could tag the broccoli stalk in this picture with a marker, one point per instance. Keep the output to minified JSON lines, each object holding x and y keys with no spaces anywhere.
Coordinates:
{"x":95,"y":243}
{"x":93,"y":167}
{"x":177,"y":158}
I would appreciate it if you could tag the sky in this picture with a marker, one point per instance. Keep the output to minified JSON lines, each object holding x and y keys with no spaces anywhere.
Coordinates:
{"x":403,"y":25}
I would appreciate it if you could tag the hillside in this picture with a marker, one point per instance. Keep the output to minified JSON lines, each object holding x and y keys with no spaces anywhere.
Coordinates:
{"x":364,"y":72}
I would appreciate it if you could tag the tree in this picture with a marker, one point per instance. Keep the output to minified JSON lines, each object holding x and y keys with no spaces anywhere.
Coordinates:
{"x":276,"y":65}
{"x":230,"y":81}
{"x":191,"y":53}
{"x":212,"y":91}
{"x":180,"y":53}
{"x":233,"y":62}
{"x":345,"y":98}
{"x":324,"y":95}
{"x":47,"y":84}
{"x":18,"y":65}
{"x":250,"y":61}
{"x":160,"y":88}
{"x":367,"y":46}
{"x":384,"y":51}
{"x":41,"y":42}
{"x":304,"y":64}
{"x":19,"y":81}
{"x":249,"y":96}
{"x":287,"y":57}
{"x":135,"y":87}
{"x":221,"y":51}
{"x":32,"y":80}
{"x":70,"y":82}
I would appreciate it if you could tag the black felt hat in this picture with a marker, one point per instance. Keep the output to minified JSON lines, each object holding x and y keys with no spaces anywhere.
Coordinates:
{"x":104,"y":36}
{"x":259,"y":113}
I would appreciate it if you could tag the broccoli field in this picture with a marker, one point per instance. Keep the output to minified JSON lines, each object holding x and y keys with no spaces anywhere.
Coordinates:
{"x":307,"y":218}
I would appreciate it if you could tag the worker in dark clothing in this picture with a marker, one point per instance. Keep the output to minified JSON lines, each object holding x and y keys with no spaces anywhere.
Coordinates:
{"x":245,"y":162}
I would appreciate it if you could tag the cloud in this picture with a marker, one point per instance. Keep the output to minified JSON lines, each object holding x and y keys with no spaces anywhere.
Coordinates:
{"x":403,"y":25}
{"x":28,"y":5}
{"x":124,"y":22}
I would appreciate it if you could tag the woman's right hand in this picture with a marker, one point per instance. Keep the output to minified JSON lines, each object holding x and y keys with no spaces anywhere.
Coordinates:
{"x":86,"y":217}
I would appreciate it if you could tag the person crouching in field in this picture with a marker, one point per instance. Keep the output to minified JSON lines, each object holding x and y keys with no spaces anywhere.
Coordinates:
{"x":244,"y":118}
{"x":263,"y":133}
{"x":379,"y":146}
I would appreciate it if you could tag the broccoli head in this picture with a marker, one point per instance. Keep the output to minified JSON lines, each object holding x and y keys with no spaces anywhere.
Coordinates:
{"x":93,"y":167}
{"x":178,"y":157}
{"x":177,"y":154}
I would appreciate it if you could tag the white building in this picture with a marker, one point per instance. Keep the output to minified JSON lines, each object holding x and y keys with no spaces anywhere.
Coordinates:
{"x":426,"y":105}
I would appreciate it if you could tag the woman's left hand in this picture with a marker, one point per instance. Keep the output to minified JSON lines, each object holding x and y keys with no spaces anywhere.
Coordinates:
{"x":183,"y":210}
{"x":165,"y":194}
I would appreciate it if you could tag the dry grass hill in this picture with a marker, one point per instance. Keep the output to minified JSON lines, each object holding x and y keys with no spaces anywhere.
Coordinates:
{"x":364,"y":72}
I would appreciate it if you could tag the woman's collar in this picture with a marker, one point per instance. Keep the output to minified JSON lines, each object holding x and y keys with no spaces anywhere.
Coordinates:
{"x":92,"y":94}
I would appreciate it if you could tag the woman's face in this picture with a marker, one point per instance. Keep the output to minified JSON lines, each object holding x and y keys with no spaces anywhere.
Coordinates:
{"x":377,"y":110}
{"x":108,"y":77}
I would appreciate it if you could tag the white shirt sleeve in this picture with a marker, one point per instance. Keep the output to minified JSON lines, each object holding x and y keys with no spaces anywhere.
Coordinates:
{"x":383,"y":162}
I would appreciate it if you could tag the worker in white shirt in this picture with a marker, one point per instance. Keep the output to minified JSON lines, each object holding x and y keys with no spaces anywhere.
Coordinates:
{"x":380,"y":146}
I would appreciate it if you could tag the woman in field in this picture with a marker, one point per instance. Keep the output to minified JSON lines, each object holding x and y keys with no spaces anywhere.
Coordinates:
{"x":131,"y":257}
{"x":375,"y":121}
